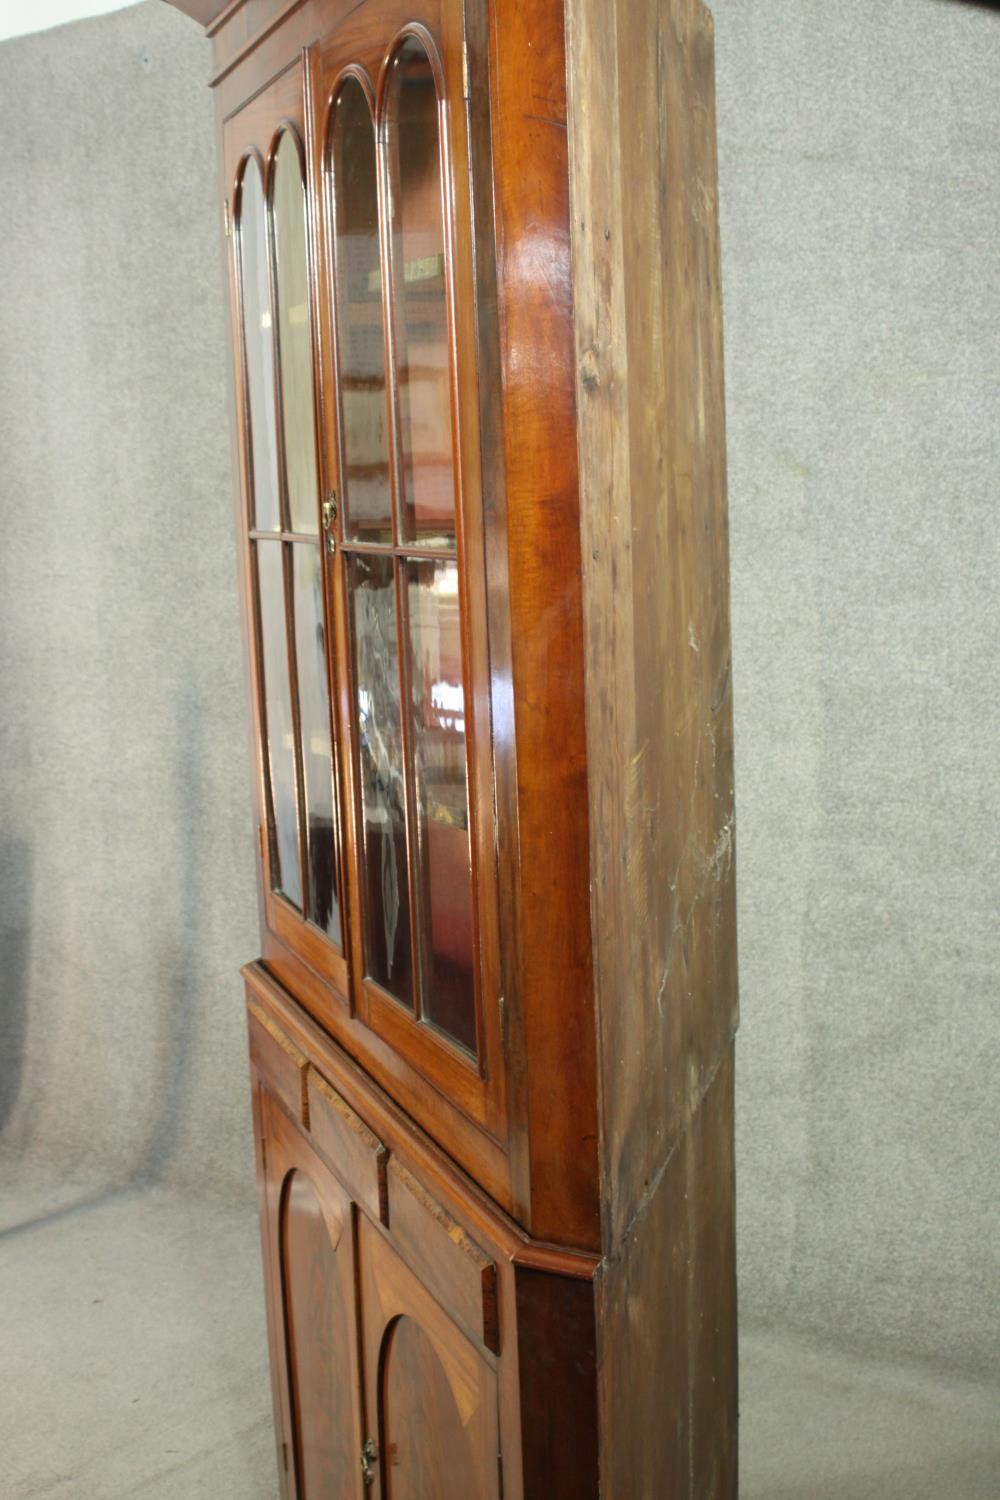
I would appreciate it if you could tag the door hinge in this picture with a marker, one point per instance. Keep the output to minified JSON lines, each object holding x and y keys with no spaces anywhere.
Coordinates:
{"x":369,"y":1458}
{"x":503,"y":1020}
{"x":466,"y":90}
{"x":260,"y":839}
{"x":227,"y":223}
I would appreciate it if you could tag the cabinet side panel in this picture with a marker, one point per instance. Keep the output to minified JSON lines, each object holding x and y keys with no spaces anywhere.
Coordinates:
{"x":656,"y":573}
{"x":644,"y":1354}
{"x":557,"y":1356}
{"x":667,"y":1326}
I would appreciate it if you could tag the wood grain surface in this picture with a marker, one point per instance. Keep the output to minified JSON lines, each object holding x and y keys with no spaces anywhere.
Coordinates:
{"x":654,"y":532}
{"x":545,"y":1230}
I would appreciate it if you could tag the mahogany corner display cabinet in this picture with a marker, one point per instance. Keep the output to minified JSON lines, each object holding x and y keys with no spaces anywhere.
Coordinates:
{"x":482,"y":519}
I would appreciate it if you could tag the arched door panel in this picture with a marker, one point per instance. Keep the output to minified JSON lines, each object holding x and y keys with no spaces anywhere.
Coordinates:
{"x":312,"y":1275}
{"x":434,"y":1393}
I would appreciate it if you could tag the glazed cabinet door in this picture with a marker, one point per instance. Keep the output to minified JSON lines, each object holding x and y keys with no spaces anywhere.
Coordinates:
{"x":354,"y":184}
{"x":397,"y":181}
{"x":312,"y":1307}
{"x":434,"y":1395}
{"x":285,"y":520}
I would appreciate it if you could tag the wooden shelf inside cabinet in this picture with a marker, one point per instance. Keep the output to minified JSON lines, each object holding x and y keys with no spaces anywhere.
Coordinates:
{"x":481,"y":503}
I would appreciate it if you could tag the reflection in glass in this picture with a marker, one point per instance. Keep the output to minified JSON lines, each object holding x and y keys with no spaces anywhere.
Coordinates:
{"x":322,"y":904}
{"x":285,"y":873}
{"x":384,"y":875}
{"x":438,"y":718}
{"x":294,"y":343}
{"x":358,"y":284}
{"x":259,"y":342}
{"x":419,"y":298}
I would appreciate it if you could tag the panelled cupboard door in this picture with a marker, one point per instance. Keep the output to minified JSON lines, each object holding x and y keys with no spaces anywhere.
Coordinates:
{"x":351,"y":201}
{"x":311,"y":1274}
{"x":434,"y":1393}
{"x":281,"y":456}
{"x":407,"y":551}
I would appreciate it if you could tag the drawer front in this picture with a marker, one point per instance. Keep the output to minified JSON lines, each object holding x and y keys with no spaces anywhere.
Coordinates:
{"x":356,"y":1154}
{"x":282,"y":1066}
{"x":456,"y":1270}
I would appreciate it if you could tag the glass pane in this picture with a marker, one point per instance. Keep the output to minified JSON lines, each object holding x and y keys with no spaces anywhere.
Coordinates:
{"x":384,"y":874}
{"x":285,"y":874}
{"x":427,"y":480}
{"x":294,"y":343}
{"x":445,"y":884}
{"x":259,"y":342}
{"x":367,"y":502}
{"x":323,"y":906}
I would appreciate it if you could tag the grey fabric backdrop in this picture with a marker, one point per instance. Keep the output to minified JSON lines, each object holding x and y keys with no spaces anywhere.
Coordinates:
{"x":126,"y":900}
{"x":859,"y":173}
{"x":860,"y":182}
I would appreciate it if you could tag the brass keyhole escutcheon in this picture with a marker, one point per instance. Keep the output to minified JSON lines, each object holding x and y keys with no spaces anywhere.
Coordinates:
{"x":369,"y":1458}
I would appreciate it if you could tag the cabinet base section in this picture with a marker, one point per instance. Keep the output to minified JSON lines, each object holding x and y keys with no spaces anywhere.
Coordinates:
{"x":422,"y":1346}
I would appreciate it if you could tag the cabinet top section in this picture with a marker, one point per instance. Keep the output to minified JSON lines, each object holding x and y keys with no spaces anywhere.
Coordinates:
{"x":205,"y":11}
{"x":477,"y":335}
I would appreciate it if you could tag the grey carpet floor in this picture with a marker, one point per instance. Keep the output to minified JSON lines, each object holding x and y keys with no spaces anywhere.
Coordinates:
{"x":133,"y":1363}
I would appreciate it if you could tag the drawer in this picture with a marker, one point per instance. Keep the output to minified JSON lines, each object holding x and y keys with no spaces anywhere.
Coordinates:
{"x":282,"y":1067}
{"x":456,"y":1270}
{"x":354,"y":1152}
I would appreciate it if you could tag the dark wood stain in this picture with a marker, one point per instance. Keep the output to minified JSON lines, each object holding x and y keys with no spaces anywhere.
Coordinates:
{"x":318,"y":1318}
{"x":310,"y":1274}
{"x":557,"y":1342}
